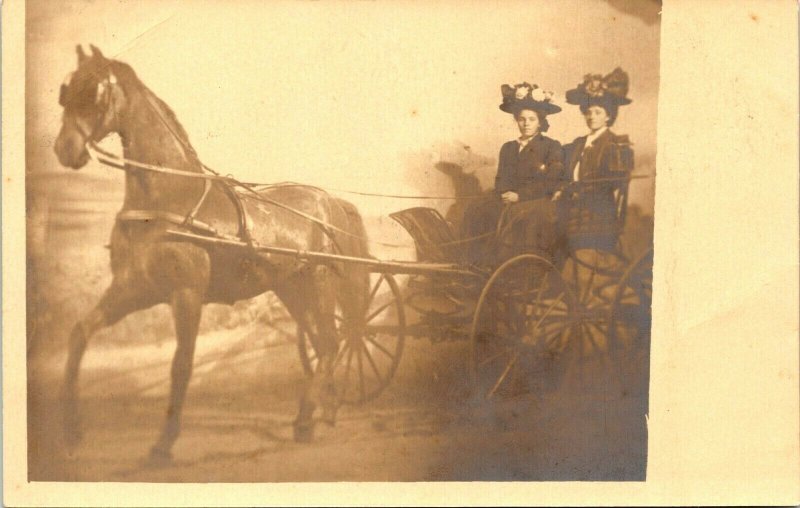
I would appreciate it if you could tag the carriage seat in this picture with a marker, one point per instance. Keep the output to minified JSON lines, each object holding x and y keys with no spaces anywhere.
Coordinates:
{"x":433,"y":235}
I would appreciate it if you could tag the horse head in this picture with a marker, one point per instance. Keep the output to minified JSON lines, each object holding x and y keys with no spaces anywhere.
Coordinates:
{"x":91,"y":98}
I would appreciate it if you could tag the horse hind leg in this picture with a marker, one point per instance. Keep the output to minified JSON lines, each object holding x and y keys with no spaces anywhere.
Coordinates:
{"x":310,"y":301}
{"x":326,"y":341}
{"x":319,"y":390}
{"x":186,"y":309}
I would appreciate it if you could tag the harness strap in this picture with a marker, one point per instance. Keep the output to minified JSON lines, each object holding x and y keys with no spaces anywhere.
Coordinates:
{"x":104,"y":157}
{"x":189,"y":219}
{"x":236,"y":199}
{"x":173,"y":218}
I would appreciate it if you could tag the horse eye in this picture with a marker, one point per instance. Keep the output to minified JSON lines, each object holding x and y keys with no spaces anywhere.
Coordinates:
{"x":78,"y":96}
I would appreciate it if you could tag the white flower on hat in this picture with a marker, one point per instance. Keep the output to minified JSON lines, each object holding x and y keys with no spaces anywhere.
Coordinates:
{"x":521,"y":92}
{"x":548,"y":96}
{"x":538,"y":95}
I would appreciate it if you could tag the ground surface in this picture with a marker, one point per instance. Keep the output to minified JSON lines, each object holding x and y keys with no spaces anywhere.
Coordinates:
{"x":237,"y":421}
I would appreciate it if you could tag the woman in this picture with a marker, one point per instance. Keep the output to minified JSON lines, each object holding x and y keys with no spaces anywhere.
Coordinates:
{"x":598,"y":164}
{"x":530,"y":171}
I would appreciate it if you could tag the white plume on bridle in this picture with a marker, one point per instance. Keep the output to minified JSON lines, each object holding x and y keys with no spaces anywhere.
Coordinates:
{"x":103,"y":87}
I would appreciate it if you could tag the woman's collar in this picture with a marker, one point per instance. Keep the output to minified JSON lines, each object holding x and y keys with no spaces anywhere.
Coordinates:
{"x":535,"y":136}
{"x":595,"y":135}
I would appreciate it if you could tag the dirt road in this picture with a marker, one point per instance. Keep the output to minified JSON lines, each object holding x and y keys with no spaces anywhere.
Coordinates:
{"x":237,"y":422}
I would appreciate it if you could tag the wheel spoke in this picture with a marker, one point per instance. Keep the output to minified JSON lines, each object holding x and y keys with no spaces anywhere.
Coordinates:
{"x":503,"y":376}
{"x":565,"y":336}
{"x":374,"y":290}
{"x":494,"y":357}
{"x":345,"y":345}
{"x":587,"y":295}
{"x":575,"y":278}
{"x":377,"y":311}
{"x":380,"y":347}
{"x":346,"y":383}
{"x":547,"y":312}
{"x":558,"y":311}
{"x":600,"y":330}
{"x":372,"y":364}
{"x":565,"y":329}
{"x":361,"y":376}
{"x":590,"y":335}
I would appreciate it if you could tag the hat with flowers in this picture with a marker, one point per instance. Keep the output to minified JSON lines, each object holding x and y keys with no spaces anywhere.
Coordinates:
{"x":527,"y":96}
{"x":610,"y":91}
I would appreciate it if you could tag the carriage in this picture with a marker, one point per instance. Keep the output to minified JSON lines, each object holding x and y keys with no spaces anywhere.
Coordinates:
{"x":528,"y":318}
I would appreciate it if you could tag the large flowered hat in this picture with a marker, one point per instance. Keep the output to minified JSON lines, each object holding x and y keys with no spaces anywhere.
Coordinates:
{"x":610,"y":91}
{"x":527,"y":96}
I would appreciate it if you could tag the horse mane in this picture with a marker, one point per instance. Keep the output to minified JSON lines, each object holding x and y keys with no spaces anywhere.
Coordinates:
{"x":127,"y":75}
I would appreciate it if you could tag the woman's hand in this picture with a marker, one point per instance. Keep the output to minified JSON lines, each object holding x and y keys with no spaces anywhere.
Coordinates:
{"x":509,"y":197}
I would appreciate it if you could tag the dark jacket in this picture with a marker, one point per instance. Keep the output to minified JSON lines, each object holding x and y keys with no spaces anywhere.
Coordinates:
{"x":535,"y":172}
{"x":604,"y":167}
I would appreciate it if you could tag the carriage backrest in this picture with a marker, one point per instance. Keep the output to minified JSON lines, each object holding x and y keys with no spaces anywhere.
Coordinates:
{"x":622,"y":165}
{"x":621,"y":202}
{"x":432,"y":234}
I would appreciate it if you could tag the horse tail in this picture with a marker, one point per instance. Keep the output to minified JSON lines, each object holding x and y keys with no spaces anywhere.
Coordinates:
{"x":354,"y":287}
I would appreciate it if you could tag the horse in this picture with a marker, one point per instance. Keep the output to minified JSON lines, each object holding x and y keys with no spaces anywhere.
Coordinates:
{"x":149,"y":267}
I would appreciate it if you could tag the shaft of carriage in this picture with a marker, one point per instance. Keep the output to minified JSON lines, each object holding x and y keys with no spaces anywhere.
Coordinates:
{"x":375,"y":265}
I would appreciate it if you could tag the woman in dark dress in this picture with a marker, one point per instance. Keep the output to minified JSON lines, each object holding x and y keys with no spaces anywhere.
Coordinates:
{"x":530,"y":171}
{"x":598,"y":164}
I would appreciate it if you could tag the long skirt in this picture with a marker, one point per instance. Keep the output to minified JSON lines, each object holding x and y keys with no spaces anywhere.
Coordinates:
{"x":507,"y":230}
{"x":590,"y":220}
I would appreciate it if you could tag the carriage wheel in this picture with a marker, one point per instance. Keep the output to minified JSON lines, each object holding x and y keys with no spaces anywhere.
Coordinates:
{"x":521,"y":329}
{"x":370,"y":351}
{"x":593,"y":275}
{"x":629,"y":323}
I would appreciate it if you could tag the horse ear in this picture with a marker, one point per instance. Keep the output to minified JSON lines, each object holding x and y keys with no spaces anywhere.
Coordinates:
{"x":96,"y":52}
{"x":81,"y":54}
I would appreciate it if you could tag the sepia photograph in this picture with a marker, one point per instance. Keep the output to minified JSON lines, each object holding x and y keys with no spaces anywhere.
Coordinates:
{"x":351,"y":252}
{"x":310,"y":242}
{"x":376,"y":250}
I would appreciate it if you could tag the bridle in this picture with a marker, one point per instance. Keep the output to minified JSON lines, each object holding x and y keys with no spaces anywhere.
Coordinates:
{"x":104,"y":98}
{"x":105,"y":112}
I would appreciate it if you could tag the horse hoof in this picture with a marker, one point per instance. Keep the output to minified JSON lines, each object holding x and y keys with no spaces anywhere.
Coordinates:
{"x":304,"y":433}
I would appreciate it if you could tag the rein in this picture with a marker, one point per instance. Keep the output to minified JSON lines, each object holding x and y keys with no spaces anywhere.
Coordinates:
{"x":115,"y":161}
{"x":101,"y":156}
{"x":109,"y":159}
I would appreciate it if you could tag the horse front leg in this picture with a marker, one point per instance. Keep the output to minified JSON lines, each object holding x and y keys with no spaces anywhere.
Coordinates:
{"x":186,"y":309}
{"x":118,"y":301}
{"x":78,"y":340}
